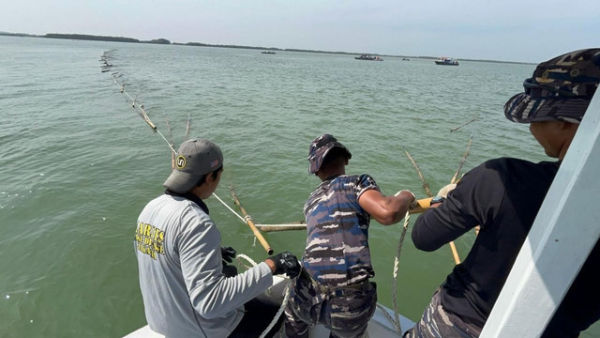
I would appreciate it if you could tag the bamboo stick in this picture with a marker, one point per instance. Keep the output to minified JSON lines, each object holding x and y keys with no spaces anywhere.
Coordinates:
{"x":188,"y":126}
{"x":455,"y":178}
{"x":425,"y":185}
{"x":428,"y":192}
{"x":281,"y":227}
{"x":464,"y":124}
{"x":250,"y":223}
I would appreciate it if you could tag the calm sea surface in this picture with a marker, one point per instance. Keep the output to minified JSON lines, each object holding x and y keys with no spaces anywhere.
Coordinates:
{"x":77,"y":164}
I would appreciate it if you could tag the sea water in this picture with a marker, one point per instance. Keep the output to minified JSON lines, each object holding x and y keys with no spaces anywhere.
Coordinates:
{"x":77,"y":163}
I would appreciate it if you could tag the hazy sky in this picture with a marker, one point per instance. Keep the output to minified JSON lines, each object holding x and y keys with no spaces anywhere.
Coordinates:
{"x":511,"y":30}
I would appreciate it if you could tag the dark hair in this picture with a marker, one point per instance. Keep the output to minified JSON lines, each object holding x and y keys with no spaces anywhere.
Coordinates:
{"x":333,"y":155}
{"x":214,"y":176}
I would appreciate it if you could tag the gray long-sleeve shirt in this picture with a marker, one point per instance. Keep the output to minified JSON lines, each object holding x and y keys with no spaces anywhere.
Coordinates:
{"x":185,"y":293}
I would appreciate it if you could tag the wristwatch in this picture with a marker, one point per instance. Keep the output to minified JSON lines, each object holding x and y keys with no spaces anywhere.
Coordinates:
{"x":436,"y":200}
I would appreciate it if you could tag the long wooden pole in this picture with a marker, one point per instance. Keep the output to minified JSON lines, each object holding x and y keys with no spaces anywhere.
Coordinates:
{"x":428,"y":192}
{"x":250,"y":223}
{"x":421,"y":205}
{"x":281,"y":227}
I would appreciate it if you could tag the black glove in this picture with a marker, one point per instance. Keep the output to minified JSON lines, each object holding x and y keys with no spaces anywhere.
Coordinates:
{"x":286,"y":263}
{"x":228,"y":254}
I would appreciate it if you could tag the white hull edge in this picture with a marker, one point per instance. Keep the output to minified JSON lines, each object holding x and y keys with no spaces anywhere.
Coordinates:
{"x":379,"y":325}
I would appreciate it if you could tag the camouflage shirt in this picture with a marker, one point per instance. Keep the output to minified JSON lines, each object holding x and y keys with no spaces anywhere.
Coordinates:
{"x":337,"y":251}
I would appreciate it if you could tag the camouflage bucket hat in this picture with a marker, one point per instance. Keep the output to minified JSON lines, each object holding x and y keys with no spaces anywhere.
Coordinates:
{"x":319,"y":148}
{"x":560,"y":89}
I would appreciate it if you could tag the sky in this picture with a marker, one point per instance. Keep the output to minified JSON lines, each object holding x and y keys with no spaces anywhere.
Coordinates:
{"x":505,"y":30}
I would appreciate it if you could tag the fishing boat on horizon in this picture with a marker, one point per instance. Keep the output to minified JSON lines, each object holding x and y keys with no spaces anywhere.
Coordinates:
{"x":446,"y":61}
{"x":368,"y":57}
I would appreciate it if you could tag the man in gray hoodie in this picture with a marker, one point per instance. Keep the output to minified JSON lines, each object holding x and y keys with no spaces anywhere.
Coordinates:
{"x":178,"y":248}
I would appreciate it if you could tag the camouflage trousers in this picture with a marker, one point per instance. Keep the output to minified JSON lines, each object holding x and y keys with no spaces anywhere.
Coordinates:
{"x":344,"y":311}
{"x":437,"y":323}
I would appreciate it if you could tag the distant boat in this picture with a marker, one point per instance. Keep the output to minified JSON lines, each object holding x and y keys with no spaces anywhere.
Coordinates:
{"x":267,"y":52}
{"x":405,"y":59}
{"x":445,"y":61}
{"x":369,"y":57}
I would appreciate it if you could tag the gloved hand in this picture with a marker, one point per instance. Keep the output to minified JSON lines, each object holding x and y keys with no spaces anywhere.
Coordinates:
{"x":228,"y":254}
{"x":445,"y":190}
{"x":286,"y":263}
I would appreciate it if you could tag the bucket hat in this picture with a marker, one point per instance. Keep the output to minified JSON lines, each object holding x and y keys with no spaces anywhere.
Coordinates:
{"x":560,"y":89}
{"x":319,"y":148}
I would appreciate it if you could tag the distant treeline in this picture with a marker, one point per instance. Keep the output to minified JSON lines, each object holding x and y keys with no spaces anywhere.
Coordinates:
{"x":199,"y":44}
{"x":103,"y":38}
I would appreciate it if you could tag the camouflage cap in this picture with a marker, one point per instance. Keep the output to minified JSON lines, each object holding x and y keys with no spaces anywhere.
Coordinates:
{"x":319,"y":148}
{"x":560,"y":89}
{"x":195,"y":158}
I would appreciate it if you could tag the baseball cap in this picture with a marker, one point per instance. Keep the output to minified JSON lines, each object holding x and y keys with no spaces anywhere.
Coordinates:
{"x":195,"y":158}
{"x":319,"y":148}
{"x":560,"y":89}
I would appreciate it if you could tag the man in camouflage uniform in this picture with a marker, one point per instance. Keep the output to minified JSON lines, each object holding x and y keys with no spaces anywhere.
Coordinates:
{"x":503,"y":196}
{"x":334,"y":288}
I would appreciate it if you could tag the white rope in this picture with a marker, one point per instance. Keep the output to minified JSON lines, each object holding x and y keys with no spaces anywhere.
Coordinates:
{"x":389,"y":318}
{"x":248,"y":259}
{"x":283,"y":303}
{"x":396,"y":320}
{"x":226,"y":206}
{"x":279,"y":312}
{"x":144,"y":113}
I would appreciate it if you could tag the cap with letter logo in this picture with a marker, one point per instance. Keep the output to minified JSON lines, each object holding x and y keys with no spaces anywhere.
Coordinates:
{"x":195,"y":158}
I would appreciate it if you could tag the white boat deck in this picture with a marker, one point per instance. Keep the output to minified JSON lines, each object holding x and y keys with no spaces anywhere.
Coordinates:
{"x":379,"y":325}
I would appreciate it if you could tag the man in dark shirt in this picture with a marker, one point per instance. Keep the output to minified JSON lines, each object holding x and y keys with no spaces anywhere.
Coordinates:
{"x":503,"y":196}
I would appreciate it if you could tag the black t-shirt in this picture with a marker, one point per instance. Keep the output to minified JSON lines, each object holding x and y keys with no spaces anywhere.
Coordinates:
{"x":503,"y":196}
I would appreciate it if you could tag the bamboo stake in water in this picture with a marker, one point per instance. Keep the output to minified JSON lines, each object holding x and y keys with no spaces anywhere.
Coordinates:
{"x":464,"y":124}
{"x":428,"y":192}
{"x":250,"y":223}
{"x":188,"y":126}
{"x":116,"y":75}
{"x":455,"y":178}
{"x":421,"y":177}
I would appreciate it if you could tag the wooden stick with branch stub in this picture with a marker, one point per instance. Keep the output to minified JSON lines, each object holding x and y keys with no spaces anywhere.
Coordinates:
{"x":456,"y":176}
{"x":170,"y":133}
{"x":428,"y":192}
{"x":250,"y":223}
{"x":188,"y":126}
{"x":414,"y":163}
{"x":464,"y":124}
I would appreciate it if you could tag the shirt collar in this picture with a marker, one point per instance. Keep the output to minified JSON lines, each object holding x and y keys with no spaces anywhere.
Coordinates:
{"x":191,"y":197}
